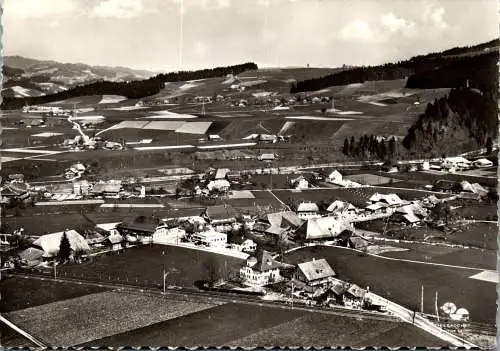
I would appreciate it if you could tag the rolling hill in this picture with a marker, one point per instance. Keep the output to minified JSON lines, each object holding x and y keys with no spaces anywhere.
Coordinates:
{"x":30,"y":77}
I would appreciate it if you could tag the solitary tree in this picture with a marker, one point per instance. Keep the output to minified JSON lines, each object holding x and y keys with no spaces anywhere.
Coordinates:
{"x":345,"y":149}
{"x":489,"y":145}
{"x":64,"y":248}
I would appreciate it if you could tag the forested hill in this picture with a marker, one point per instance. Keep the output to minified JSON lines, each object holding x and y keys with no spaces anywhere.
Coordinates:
{"x":132,"y":89}
{"x":465,"y":119}
{"x":480,"y":54}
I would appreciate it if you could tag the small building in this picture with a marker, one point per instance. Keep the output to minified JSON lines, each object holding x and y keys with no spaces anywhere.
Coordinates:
{"x":106,"y":189}
{"x":377,"y":208}
{"x":335,"y":177}
{"x":282,"y":223}
{"x":248,"y":246}
{"x":115,"y":240}
{"x":455,"y":162}
{"x":307,"y":210}
{"x":268,"y":157}
{"x":482,"y":162}
{"x":315,"y":272}
{"x":393,"y":200}
{"x":300,"y":183}
{"x":220,"y":185}
{"x":210,"y":238}
{"x":260,"y":270}
{"x":221,"y":173}
{"x":220,"y":214}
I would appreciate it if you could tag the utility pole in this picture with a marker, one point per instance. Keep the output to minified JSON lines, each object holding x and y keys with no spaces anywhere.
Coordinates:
{"x":422,"y":300}
{"x":436,"y":306}
{"x":292,"y":294}
{"x":55,"y":271}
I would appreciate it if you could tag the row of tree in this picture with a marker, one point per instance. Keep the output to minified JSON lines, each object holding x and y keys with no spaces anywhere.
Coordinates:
{"x":130,"y":89}
{"x":370,"y":147}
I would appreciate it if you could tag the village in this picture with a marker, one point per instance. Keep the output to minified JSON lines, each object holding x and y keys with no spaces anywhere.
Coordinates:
{"x":259,"y":236}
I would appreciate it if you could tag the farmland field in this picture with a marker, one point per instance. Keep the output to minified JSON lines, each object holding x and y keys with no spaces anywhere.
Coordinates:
{"x":44,"y":224}
{"x":401,"y":281}
{"x":143,"y":266}
{"x":82,"y":319}
{"x":39,"y":292}
{"x":247,"y":325}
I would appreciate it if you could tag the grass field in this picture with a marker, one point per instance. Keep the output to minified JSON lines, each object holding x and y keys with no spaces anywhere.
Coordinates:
{"x":478,"y":258}
{"x":144,"y":266}
{"x":44,"y":224}
{"x":247,"y":326}
{"x":37,"y":292}
{"x":82,"y":319}
{"x":402,"y":281}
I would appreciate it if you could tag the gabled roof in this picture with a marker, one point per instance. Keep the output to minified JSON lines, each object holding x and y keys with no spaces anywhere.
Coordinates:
{"x":141,"y":223}
{"x":411,"y":218}
{"x":218,"y":212}
{"x":356,"y":291}
{"x":323,"y":227}
{"x":221,"y":173}
{"x":340,"y":207}
{"x":50,"y":243}
{"x":265,"y":262}
{"x":391,"y":199}
{"x":316,"y":269}
{"x":307,"y":207}
{"x":284,"y":219}
{"x":377,"y":206}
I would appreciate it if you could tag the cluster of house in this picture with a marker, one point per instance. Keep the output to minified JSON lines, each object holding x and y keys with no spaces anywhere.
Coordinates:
{"x":312,"y":281}
{"x":463,"y":189}
{"x":452,"y":164}
{"x":336,"y":178}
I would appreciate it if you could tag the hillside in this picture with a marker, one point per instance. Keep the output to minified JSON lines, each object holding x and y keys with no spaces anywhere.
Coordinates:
{"x":30,"y":77}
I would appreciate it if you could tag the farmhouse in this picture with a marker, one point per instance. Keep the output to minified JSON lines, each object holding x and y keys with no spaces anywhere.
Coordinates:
{"x":260,"y":270}
{"x":115,"y":240}
{"x":323,"y":228}
{"x":141,"y":228}
{"x":393,"y":200}
{"x":165,"y":234}
{"x":377,"y":208}
{"x":221,"y":173}
{"x":314,"y":273}
{"x":220,"y":185}
{"x":220,"y":214}
{"x":50,"y":243}
{"x":455,"y":162}
{"x":307,"y":210}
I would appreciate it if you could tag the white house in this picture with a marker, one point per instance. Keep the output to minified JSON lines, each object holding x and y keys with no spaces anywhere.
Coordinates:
{"x":248,"y":246}
{"x":341,"y":207}
{"x":323,"y":228}
{"x":482,"y":162}
{"x":163,"y":234}
{"x":335,"y":177}
{"x":268,"y":157}
{"x":455,"y":162}
{"x":261,"y":270}
{"x":210,"y":238}
{"x":307,"y":210}
{"x":300,"y":183}
{"x":221,"y":185}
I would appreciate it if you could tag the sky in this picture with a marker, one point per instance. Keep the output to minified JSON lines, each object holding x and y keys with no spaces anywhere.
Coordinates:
{"x":171,"y":35}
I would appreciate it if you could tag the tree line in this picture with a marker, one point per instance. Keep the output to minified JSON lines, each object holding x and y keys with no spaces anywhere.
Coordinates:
{"x":421,"y":71}
{"x":130,"y":89}
{"x":369,"y":147}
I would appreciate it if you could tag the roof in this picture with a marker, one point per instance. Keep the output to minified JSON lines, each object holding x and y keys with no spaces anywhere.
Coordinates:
{"x":483,"y":161}
{"x":377,"y":206}
{"x":220,"y":212}
{"x":391,"y":199}
{"x":141,"y":223}
{"x":265,"y":262}
{"x":411,"y":218}
{"x":323,"y":227}
{"x":307,"y":207}
{"x":316,"y":269}
{"x":356,"y":291}
{"x":184,"y":212}
{"x":50,"y":242}
{"x":458,"y":159}
{"x":221,"y":173}
{"x":115,"y":238}
{"x":106,"y":188}
{"x":31,"y":254}
{"x":284,"y":219}
{"x":335,"y":174}
{"x":268,"y":156}
{"x":340,"y":206}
